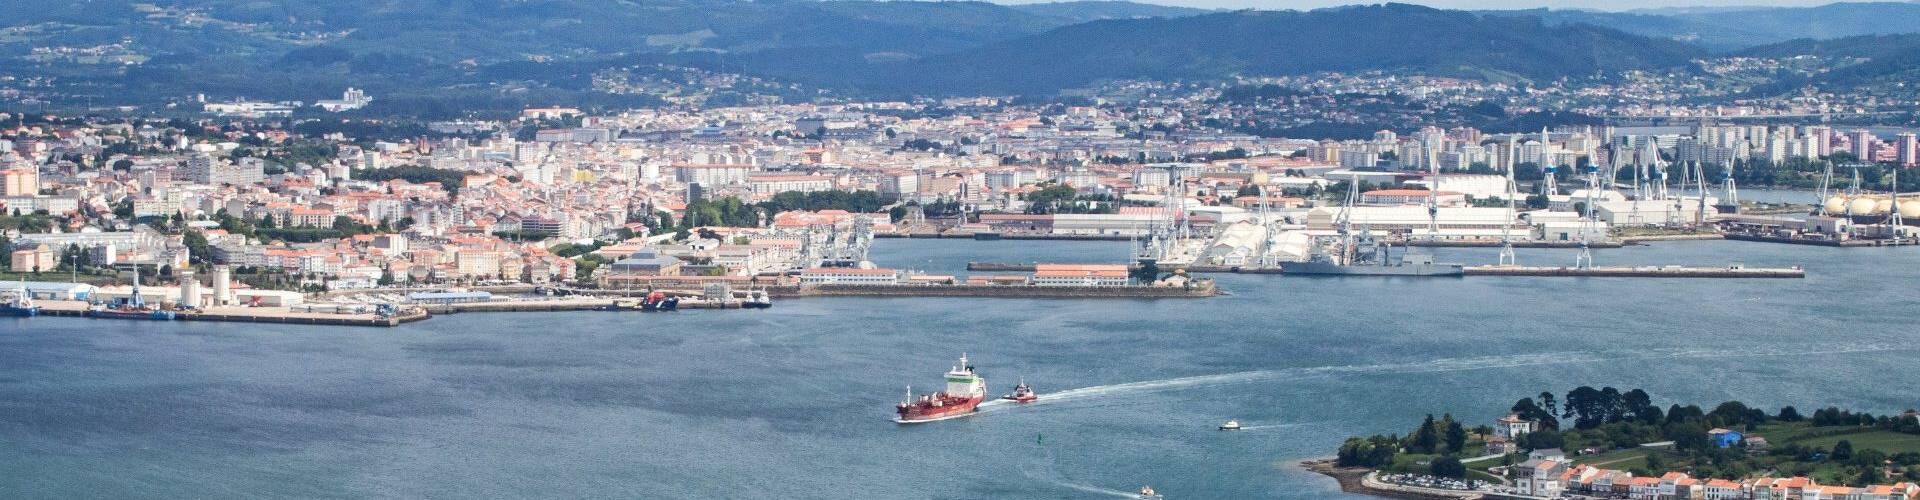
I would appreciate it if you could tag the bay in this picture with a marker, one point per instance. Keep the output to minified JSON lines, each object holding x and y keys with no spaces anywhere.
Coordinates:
{"x":794,"y":402}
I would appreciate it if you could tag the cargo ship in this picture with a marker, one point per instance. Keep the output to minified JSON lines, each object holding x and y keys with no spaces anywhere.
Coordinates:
{"x":965,"y":391}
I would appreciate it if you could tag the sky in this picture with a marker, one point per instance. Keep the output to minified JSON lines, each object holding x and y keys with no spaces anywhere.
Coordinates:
{"x":1610,"y":5}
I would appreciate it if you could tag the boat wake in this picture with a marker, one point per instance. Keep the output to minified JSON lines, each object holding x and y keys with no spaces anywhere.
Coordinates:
{"x":1096,"y":490}
{"x":1415,"y":367}
{"x":1244,"y":428}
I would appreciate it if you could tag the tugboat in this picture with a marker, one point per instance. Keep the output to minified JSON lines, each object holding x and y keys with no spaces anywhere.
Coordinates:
{"x":1231,"y":425}
{"x":965,"y":391}
{"x":659,"y":301}
{"x":1022,"y":393}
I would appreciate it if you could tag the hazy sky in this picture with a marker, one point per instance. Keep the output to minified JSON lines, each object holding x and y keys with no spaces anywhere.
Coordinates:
{"x":1478,"y":4}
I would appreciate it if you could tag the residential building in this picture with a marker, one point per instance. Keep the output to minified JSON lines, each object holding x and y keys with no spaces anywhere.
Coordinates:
{"x":1080,"y":275}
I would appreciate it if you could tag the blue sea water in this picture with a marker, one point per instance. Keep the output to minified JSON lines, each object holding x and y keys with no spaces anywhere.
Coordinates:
{"x":794,"y":402}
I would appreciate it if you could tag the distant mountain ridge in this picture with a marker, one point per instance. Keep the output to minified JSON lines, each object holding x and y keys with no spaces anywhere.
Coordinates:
{"x":1094,"y":10}
{"x":552,"y":50}
{"x":1888,"y":59}
{"x":1729,"y":29}
{"x":1360,"y":38}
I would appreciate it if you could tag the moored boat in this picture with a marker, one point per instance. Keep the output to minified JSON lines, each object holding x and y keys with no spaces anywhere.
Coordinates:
{"x":659,"y":301}
{"x":965,"y":391}
{"x":757,"y":299}
{"x":19,"y":302}
{"x":134,"y":307}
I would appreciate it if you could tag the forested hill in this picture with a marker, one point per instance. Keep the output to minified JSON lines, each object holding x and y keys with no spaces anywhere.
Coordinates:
{"x":1380,"y":37}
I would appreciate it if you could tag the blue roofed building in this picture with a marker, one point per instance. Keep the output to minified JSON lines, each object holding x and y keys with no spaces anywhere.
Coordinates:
{"x":1724,"y":438}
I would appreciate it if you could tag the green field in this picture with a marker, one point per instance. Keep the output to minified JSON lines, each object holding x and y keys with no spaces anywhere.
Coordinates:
{"x":1616,"y":459}
{"x":1888,"y":442}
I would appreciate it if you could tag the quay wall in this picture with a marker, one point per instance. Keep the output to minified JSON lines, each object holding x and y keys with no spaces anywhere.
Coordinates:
{"x":1638,"y":272}
{"x":1007,"y":236}
{"x":1204,"y":289}
{"x":1824,"y":243}
{"x":1516,"y":244}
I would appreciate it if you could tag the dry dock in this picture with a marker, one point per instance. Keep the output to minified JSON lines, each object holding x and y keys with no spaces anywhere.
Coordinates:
{"x":1640,"y":272}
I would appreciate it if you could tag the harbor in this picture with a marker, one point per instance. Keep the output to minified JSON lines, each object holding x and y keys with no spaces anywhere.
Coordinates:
{"x":1159,"y":373}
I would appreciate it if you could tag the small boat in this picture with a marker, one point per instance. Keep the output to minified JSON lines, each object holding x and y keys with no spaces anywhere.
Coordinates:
{"x":1022,"y":393}
{"x":1231,"y":425}
{"x":757,"y":299}
{"x":659,"y":301}
{"x":1147,"y":493}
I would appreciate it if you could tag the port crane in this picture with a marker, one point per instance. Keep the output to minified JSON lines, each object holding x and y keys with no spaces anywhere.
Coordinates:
{"x":1894,"y":222}
{"x":1169,"y":232}
{"x":1700,"y":208}
{"x":1271,"y":230}
{"x":1585,"y":259}
{"x":1550,"y":185}
{"x":1433,"y":193}
{"x":1506,"y":227}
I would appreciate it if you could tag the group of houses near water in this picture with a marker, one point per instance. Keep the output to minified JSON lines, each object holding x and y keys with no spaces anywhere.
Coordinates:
{"x":1552,"y":474}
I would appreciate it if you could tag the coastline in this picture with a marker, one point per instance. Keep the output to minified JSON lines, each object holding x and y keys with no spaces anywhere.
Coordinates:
{"x":1355,"y":480}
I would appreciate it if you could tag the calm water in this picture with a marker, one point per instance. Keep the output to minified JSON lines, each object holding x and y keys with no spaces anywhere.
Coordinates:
{"x":793,"y":402}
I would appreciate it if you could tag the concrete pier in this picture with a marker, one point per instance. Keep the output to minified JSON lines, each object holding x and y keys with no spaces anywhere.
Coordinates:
{"x":1640,"y":272}
{"x":1885,"y":242}
{"x":1516,"y":244}
{"x":1202,"y":288}
{"x":77,"y":309}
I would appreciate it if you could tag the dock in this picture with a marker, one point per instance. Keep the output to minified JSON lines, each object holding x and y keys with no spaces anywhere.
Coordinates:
{"x":280,"y":315}
{"x":1005,"y":236}
{"x":1640,"y":271}
{"x":1200,"y":288}
{"x":1484,"y":243}
{"x":999,"y":266}
{"x":580,"y":304}
{"x":1825,"y":242}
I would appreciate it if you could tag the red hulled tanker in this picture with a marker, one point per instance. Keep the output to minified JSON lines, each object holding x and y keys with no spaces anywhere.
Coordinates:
{"x":965,"y":391}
